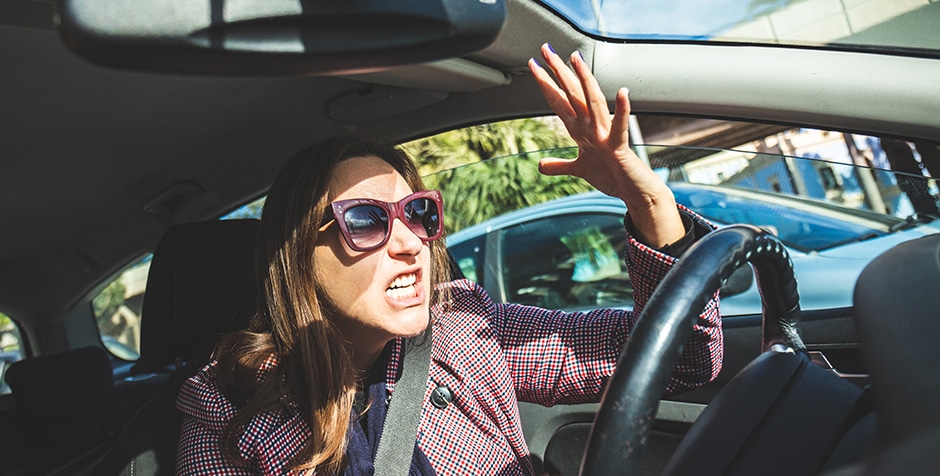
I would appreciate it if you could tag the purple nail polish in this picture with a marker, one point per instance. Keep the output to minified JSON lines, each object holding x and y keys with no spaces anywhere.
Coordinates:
{"x":549,"y":45}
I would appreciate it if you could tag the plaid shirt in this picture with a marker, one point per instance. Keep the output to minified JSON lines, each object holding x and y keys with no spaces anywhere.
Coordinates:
{"x":490,"y":356}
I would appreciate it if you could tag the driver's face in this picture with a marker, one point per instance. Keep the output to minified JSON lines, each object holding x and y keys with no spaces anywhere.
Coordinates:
{"x":384,"y":293}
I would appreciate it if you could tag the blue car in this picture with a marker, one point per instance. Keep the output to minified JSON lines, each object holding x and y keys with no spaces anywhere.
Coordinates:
{"x":566,"y":253}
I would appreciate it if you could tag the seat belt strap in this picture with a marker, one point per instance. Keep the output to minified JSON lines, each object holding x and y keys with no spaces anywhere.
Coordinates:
{"x":396,"y":448}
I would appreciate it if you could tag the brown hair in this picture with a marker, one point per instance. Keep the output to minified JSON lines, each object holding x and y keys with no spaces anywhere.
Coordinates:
{"x":314,"y":369}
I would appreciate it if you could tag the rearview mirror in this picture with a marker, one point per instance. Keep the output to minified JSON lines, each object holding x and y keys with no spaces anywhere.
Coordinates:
{"x":276,"y":36}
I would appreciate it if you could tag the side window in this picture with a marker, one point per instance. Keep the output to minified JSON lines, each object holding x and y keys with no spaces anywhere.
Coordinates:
{"x":10,"y":349}
{"x":117,"y":310}
{"x":570,"y":261}
{"x":469,"y":256}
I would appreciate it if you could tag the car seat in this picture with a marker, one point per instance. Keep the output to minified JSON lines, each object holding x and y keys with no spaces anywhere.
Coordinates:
{"x":202,"y":284}
{"x":896,"y":302}
{"x":64,"y":413}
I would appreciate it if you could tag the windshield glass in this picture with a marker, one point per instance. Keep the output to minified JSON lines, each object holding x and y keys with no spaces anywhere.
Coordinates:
{"x":899,"y":26}
{"x":835,"y":200}
{"x":810,"y":205}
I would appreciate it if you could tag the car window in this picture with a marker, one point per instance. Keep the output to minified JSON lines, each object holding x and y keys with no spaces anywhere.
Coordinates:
{"x":816,"y":190}
{"x":117,"y":310}
{"x":11,"y":349}
{"x":836,"y":200}
{"x":251,"y":209}
{"x":470,"y":257}
{"x":883,"y":26}
{"x":566,"y":261}
{"x":801,"y":224}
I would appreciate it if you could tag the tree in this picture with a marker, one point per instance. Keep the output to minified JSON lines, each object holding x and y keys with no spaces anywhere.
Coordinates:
{"x":478,"y":192}
{"x":106,"y":304}
{"x":9,"y":336}
{"x":486,"y":141}
{"x":487,"y":170}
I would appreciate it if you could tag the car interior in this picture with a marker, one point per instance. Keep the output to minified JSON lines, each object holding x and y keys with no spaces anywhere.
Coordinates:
{"x":129,"y":130}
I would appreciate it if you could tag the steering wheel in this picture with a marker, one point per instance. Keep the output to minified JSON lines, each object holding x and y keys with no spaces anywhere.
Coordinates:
{"x":628,"y":407}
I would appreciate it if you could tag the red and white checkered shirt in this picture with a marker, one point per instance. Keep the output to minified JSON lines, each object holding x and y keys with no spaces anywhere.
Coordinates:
{"x":490,"y":356}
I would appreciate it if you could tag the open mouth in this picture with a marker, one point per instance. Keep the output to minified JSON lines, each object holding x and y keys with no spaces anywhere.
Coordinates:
{"x":404,"y":287}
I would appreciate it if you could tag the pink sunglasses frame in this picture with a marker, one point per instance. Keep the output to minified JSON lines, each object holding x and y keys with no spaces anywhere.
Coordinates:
{"x":393,"y":209}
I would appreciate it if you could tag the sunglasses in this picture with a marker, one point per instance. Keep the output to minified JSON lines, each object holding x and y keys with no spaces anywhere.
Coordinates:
{"x":366,"y":224}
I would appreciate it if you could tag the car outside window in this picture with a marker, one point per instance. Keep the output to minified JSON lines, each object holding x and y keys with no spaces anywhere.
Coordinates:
{"x":569,"y":261}
{"x":470,"y":257}
{"x":835,"y":200}
{"x":117,"y":310}
{"x":11,"y":349}
{"x":814,"y":189}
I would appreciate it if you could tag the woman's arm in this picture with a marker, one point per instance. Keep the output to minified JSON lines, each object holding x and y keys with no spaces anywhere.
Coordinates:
{"x":560,"y":357}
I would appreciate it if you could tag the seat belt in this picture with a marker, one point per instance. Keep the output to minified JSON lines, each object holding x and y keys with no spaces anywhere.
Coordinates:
{"x":396,"y":449}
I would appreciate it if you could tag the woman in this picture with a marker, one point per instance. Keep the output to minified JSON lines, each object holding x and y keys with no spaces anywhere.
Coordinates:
{"x":305,"y":388}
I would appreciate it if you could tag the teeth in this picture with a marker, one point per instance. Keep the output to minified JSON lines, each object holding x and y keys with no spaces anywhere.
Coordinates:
{"x":402,"y":293}
{"x":403,"y":281}
{"x":403,"y":287}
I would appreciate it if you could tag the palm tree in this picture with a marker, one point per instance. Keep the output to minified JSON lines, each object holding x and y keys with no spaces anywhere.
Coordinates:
{"x":478,"y":143}
{"x":487,"y":170}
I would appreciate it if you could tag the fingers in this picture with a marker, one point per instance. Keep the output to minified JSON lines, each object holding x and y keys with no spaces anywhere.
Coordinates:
{"x":557,"y":99}
{"x":594,"y":97}
{"x":620,"y":125}
{"x":573,"y":92}
{"x":567,"y":80}
{"x":556,"y":166}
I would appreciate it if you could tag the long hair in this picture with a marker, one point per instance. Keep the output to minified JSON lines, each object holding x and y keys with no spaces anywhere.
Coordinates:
{"x":294,"y":325}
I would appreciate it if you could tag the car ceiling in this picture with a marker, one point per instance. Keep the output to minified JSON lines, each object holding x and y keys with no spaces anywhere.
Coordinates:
{"x":87,"y":149}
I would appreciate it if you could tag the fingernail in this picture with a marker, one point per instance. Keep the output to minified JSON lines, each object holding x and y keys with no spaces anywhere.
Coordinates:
{"x":580,"y":56}
{"x":549,"y":45}
{"x":535,"y":62}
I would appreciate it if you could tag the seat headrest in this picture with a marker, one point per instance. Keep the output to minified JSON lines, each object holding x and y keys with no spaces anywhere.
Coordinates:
{"x":61,"y":385}
{"x":202,"y":284}
{"x":898,"y":323}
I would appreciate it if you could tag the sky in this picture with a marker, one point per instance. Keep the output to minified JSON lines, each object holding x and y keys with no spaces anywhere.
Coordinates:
{"x":695,"y":18}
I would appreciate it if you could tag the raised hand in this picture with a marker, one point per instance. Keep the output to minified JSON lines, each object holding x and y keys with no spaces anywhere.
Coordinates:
{"x":605,"y":159}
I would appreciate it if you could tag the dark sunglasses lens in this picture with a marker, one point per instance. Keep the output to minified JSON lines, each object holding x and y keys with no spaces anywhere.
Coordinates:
{"x":367,"y":225}
{"x":423,"y":217}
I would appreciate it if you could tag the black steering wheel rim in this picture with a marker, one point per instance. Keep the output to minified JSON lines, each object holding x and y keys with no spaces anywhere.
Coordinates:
{"x":628,"y":408}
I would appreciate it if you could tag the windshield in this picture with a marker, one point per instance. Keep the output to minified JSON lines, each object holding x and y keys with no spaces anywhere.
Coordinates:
{"x":810,"y":205}
{"x":803,"y":225}
{"x":835,"y":200}
{"x":559,"y":243}
{"x":894,"y":26}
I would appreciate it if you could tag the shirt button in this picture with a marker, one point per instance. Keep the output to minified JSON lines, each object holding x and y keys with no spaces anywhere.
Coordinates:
{"x":441,"y":397}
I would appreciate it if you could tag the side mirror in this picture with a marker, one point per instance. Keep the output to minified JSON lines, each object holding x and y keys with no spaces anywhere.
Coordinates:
{"x":316,"y":37}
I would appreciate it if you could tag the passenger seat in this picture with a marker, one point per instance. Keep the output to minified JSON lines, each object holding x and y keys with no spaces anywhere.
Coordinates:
{"x":202,"y":284}
{"x":64,"y":416}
